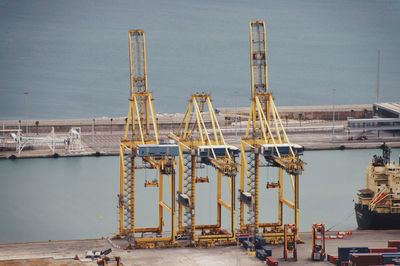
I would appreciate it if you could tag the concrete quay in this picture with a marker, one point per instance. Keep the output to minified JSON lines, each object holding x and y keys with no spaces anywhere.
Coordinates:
{"x":342,"y":112}
{"x":64,"y":252}
{"x":311,"y":127}
{"x":226,"y":116}
{"x":313,"y":135}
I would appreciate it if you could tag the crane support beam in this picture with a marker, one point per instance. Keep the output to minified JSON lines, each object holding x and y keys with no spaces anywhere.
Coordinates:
{"x":165,"y":206}
{"x":287,"y":202}
{"x":225,"y":204}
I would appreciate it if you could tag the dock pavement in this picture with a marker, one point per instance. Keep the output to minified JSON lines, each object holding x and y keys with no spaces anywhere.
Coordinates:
{"x":73,"y":252}
{"x":312,"y":134}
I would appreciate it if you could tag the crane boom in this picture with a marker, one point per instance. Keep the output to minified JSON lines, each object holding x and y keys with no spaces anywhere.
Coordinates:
{"x":137,"y":61}
{"x":259,"y":78}
{"x":139,"y":97}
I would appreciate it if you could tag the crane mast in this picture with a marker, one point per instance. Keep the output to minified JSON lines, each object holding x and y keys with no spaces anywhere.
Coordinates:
{"x":258,"y":59}
{"x":265,"y":137}
{"x":258,"y":62}
{"x":138,"y":81}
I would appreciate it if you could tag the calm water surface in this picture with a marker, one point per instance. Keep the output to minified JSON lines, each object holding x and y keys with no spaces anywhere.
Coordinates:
{"x":72,"y":56}
{"x":70,"y":198}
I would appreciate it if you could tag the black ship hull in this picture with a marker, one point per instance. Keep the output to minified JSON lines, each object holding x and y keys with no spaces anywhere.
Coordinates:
{"x":372,"y":220}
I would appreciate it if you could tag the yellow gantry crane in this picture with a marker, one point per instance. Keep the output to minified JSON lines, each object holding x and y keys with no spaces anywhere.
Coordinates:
{"x":201,"y":144}
{"x":265,"y":137}
{"x":140,"y":149}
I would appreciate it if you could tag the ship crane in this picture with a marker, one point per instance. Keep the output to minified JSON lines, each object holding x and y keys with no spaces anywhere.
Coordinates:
{"x":140,"y":149}
{"x":259,"y":141}
{"x":200,"y":145}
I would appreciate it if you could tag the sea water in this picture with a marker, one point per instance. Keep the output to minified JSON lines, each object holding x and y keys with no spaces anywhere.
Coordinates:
{"x":71,"y":57}
{"x":75,"y":198}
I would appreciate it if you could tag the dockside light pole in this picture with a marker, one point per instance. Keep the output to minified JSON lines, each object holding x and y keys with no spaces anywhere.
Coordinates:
{"x":26,"y":110}
{"x":333,"y":114}
{"x":377,"y":75}
{"x":236,"y":113}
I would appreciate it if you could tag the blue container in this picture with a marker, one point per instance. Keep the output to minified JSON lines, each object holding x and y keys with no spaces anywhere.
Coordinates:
{"x":261,"y":254}
{"x":157,"y":150}
{"x":345,"y":252}
{"x":243,"y":238}
{"x":391,"y":258}
{"x":259,"y":241}
{"x":267,"y":250}
{"x":219,"y":151}
{"x":284,"y":149}
{"x":240,"y":239}
{"x":248,"y":245}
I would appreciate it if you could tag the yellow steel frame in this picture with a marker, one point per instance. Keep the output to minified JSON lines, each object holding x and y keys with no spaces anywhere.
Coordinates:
{"x":259,"y":132}
{"x":140,"y":117}
{"x":189,"y":136}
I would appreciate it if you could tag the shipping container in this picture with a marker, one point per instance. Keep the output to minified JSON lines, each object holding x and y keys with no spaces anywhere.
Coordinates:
{"x":344,"y":252}
{"x":267,"y":250}
{"x":259,"y":241}
{"x":284,"y":149}
{"x":391,"y":258}
{"x":240,"y":239}
{"x":248,"y":245}
{"x":383,"y":250}
{"x":219,"y":150}
{"x":244,"y":237}
{"x":394,"y":243}
{"x":271,"y":261}
{"x":365,"y":259}
{"x":260,"y":254}
{"x":332,"y":258}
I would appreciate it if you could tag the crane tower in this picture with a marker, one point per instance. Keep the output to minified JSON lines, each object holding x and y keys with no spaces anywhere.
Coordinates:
{"x":265,"y":137}
{"x":140,"y":149}
{"x":201,"y":147}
